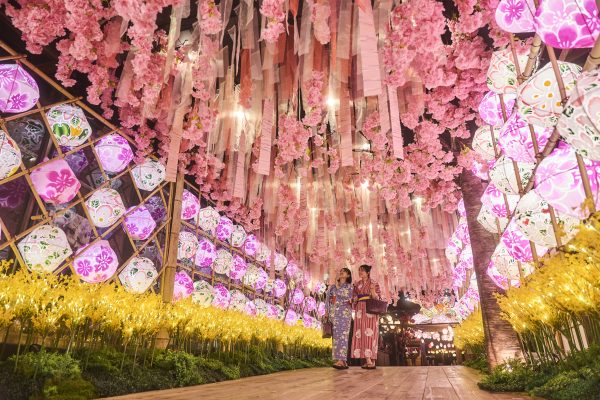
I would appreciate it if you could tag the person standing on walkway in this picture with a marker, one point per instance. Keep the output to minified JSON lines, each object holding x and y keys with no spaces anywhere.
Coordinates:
{"x":339,"y":303}
{"x":366,"y":326}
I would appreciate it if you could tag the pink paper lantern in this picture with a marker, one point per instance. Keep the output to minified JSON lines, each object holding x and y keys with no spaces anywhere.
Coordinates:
{"x":502,"y":73}
{"x":224,"y":229}
{"x":292,"y":269}
{"x":307,"y":321}
{"x":567,"y":24}
{"x":490,"y":108}
{"x":10,"y":156}
{"x":279,"y":288}
{"x":184,"y":286}
{"x":261,"y":280}
{"x":483,"y":143}
{"x":272,"y":311}
{"x":190,"y":205}
{"x":208,"y":219}
{"x":460,"y":208}
{"x":238,"y":236}
{"x":238,"y":267}
{"x":518,"y":246}
{"x":206,"y":253}
{"x":503,"y":175}
{"x":221,"y":296}
{"x":507,"y":266}
{"x":515,"y":16}
{"x":559,"y":182}
{"x":291,"y":318}
{"x":466,"y":257}
{"x":515,"y":139}
{"x":251,"y":245}
{"x":251,"y":308}
{"x":297,"y":296}
{"x":55,"y":182}
{"x":493,"y":199}
{"x":18,"y":90}
{"x":96,"y":263}
{"x":114,"y":153}
{"x":187,"y":246}
{"x":462,"y":231}
{"x":105,"y":207}
{"x":139,"y":223}
{"x":321,"y":309}
{"x":310,"y":304}
{"x":452,"y":251}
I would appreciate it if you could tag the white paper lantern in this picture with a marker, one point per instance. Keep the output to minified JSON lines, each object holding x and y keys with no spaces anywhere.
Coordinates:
{"x":503,"y":174}
{"x":69,"y":125}
{"x":148,"y":175}
{"x":238,"y":236}
{"x":45,"y":248}
{"x":203,"y":294}
{"x":10,"y":155}
{"x":187,"y":245}
{"x":105,"y":207}
{"x":223,"y":262}
{"x":138,"y":275}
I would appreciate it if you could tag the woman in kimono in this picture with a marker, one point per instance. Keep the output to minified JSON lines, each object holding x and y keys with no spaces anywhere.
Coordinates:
{"x":339,"y":303}
{"x":366,"y":328}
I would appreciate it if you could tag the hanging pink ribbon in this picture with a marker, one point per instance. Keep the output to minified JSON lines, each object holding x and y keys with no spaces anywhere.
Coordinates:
{"x":264,"y":156}
{"x":397,"y":141}
{"x":369,"y":61}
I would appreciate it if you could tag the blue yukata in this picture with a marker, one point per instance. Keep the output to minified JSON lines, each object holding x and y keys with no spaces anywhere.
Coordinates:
{"x":340,"y":314}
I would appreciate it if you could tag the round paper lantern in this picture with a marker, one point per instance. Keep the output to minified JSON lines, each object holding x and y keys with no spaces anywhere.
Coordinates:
{"x":490,"y":222}
{"x":502,"y":73}
{"x":539,"y":101}
{"x":559,"y":182}
{"x":238,"y":236}
{"x":291,"y":318}
{"x":105,"y":207}
{"x":466,"y":257}
{"x":483,"y":143}
{"x":462,"y":212}
{"x":321,"y":309}
{"x":77,"y":228}
{"x":452,"y":252}
{"x":502,"y":174}
{"x":139,"y":223}
{"x":13,"y":193}
{"x":69,"y":125}
{"x":320,"y":288}
{"x":45,"y":248}
{"x":187,"y":245}
{"x":515,"y":140}
{"x":518,"y":246}
{"x":223,"y":262}
{"x":507,"y":266}
{"x":206,"y":253}
{"x":481,"y":170}
{"x":279,"y":288}
{"x":251,"y":245}
{"x":237,"y":301}
{"x":297,"y":296}
{"x":515,"y":16}
{"x":10,"y":155}
{"x":251,"y":275}
{"x":203,"y":294}
{"x":28,"y":133}
{"x":96,"y":263}
{"x":262,"y":308}
{"x":238,"y":267}
{"x":567,"y":24}
{"x":208,"y":219}
{"x":148,"y":175}
{"x":251,"y":309}
{"x":157,"y":208}
{"x":221,"y":296}
{"x":500,"y":280}
{"x":263,"y":253}
{"x":494,"y":201}
{"x":138,"y":275}
{"x":224,"y":229}
{"x":459,"y":275}
{"x":77,"y":161}
{"x":114,"y":153}
{"x":532,"y":217}
{"x":579,"y":124}
{"x":261,"y":280}
{"x":272,"y":311}
{"x":310,"y":304}
{"x":462,"y":231}
{"x":307,"y":321}
{"x":184,"y":286}
{"x":490,"y":108}
{"x":292,"y":269}
{"x":18,"y":90}
{"x":97,"y":179}
{"x":280,"y":262}
{"x":55,"y":182}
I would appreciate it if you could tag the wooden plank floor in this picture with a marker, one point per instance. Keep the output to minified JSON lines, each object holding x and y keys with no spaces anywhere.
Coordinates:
{"x":406,"y":383}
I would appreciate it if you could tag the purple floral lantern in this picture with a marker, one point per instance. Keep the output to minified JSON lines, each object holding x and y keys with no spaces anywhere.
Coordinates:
{"x":279,"y":288}
{"x":251,"y":308}
{"x":515,"y":139}
{"x":238,"y":267}
{"x":44,"y":249}
{"x":261,"y":280}
{"x":114,"y":153}
{"x":503,"y":175}
{"x":490,"y":108}
{"x":105,"y":207}
{"x":452,"y":252}
{"x":77,"y":161}
{"x":139,"y":223}
{"x":148,"y":175}
{"x":10,"y":156}
{"x":466,"y":257}
{"x":224,"y":229}
{"x":272,"y":311}
{"x":291,"y":318}
{"x":292,"y":269}
{"x":251,"y":245}
{"x":321,"y":309}
{"x":223,"y":262}
{"x":238,"y":236}
{"x":55,"y":182}
{"x":307,"y":321}
{"x":18,"y":90}
{"x":460,"y":208}
{"x":297,"y":296}
{"x":28,"y":133}
{"x":462,"y":231}
{"x":221,"y":296}
{"x":184,"y":286}
{"x":69,"y":125}
{"x":502,"y":73}
{"x":515,"y":16}
{"x":157,"y":208}
{"x":483,"y":143}
{"x":567,"y":24}
{"x":493,"y":199}
{"x":13,"y":193}
{"x":206,"y":253}
{"x":518,"y":246}
{"x":187,"y":246}
{"x":310,"y":304}
{"x":190,"y":205}
{"x":208,"y":219}
{"x":96,"y":263}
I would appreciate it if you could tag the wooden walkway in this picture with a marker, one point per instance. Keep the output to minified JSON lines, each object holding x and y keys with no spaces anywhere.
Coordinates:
{"x":397,"y":383}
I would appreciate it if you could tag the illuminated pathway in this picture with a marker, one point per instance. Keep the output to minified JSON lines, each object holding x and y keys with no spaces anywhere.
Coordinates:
{"x":397,"y":383}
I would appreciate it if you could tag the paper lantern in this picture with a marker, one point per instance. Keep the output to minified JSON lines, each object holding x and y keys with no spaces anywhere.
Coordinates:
{"x":69,"y":125}
{"x":507,"y":266}
{"x":187,"y":246}
{"x":518,"y":246}
{"x":452,"y":252}
{"x":13,"y":193}
{"x":460,"y":208}
{"x":221,"y":296}
{"x":251,"y":309}
{"x":208,"y":219}
{"x":97,"y":179}
{"x":238,"y":267}
{"x":490,"y":222}
{"x":251,"y":275}
{"x":223,"y":262}
{"x":206,"y":253}
{"x":559,"y":182}
{"x":77,"y":228}
{"x":515,"y":139}
{"x":18,"y":90}
{"x":10,"y":155}
{"x":503,"y":175}
{"x":539,"y":101}
{"x":481,"y":169}
{"x":483,"y":144}
{"x":184,"y":286}
{"x":238,"y":236}
{"x":138,"y":275}
{"x":502,"y":73}
{"x":224,"y":229}
{"x":262,"y":308}
{"x":261,"y":280}
{"x":307,"y":321}
{"x":490,"y":108}
{"x":567,"y":24}
{"x":44,"y":249}
{"x":466,"y":257}
{"x":320,"y":288}
{"x":297,"y":296}
{"x":114,"y":153}
{"x":203,"y":294}
{"x":157,"y":208}
{"x":500,"y":280}
{"x":321,"y":309}
{"x":263,"y":253}
{"x":148,"y":175}
{"x":515,"y":16}
{"x":237,"y":301}
{"x":462,"y":231}
{"x":105,"y":207}
{"x":96,"y":263}
{"x":251,"y":245}
{"x":279,"y":288}
{"x":579,"y":124}
{"x":494,"y":201}
{"x":291,"y":269}
{"x":310,"y":304}
{"x":139,"y":223}
{"x":272,"y":311}
{"x":28,"y":133}
{"x":459,"y":275}
{"x":532,"y":217}
{"x":55,"y":182}
{"x":77,"y":161}
{"x":291,"y":318}
{"x":280,"y":262}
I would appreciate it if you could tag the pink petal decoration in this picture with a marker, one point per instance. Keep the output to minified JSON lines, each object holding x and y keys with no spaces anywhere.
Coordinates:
{"x":139,"y":223}
{"x":503,"y":175}
{"x":515,"y":141}
{"x":55,"y":182}
{"x":96,"y":263}
{"x":251,"y":245}
{"x":517,"y":245}
{"x":190,"y":205}
{"x":184,"y":286}
{"x":10,"y":155}
{"x":539,"y":101}
{"x":105,"y":207}
{"x":187,"y":245}
{"x":224,"y":229}
{"x":206,"y":253}
{"x":114,"y":153}
{"x":515,"y":16}
{"x":238,"y":267}
{"x":490,"y":108}
{"x":18,"y":91}
{"x":502,"y":73}
{"x":558,"y":181}
{"x":567,"y":24}
{"x":483,"y":143}
{"x":221,"y":296}
{"x":493,"y":199}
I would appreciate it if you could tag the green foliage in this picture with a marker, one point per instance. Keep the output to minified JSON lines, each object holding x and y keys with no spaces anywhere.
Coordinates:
{"x":570,"y":385}
{"x":181,"y":366}
{"x":47,"y":365}
{"x":514,"y":376}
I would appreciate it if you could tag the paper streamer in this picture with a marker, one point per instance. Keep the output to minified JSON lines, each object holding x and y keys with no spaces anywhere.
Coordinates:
{"x":345,"y":128}
{"x":368,"y":50}
{"x":397,"y":141}
{"x":264,"y":156}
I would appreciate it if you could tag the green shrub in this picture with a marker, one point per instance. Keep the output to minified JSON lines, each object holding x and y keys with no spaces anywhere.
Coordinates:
{"x":514,"y":376}
{"x":181,"y":365}
{"x":47,"y":365}
{"x":571,"y":385}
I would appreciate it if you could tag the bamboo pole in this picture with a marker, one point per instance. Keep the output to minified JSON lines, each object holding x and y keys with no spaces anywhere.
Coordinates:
{"x":170,"y":267}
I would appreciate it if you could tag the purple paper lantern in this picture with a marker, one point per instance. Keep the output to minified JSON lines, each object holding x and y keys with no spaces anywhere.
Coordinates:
{"x":238,"y":267}
{"x":190,"y":205}
{"x":567,"y":24}
{"x":157,"y":208}
{"x":310,"y":304}
{"x":251,"y":308}
{"x":297,"y":296}
{"x":96,"y":263}
{"x":515,"y":16}
{"x":221,"y":296}
{"x":272,"y":311}
{"x":493,"y":199}
{"x":279,"y":288}
{"x":251,"y":245}
{"x":184,"y":286}
{"x":321,"y":309}
{"x":515,"y":139}
{"x":292,"y":269}
{"x":139,"y":223}
{"x":224,"y":229}
{"x":291,"y":318}
{"x":206,"y":253}
{"x":261,"y":280}
{"x":55,"y":182}
{"x":517,"y":245}
{"x":490,"y":108}
{"x":114,"y":153}
{"x":18,"y":90}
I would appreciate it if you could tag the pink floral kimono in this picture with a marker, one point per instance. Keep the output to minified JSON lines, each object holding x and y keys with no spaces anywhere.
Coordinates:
{"x":365,"y":336}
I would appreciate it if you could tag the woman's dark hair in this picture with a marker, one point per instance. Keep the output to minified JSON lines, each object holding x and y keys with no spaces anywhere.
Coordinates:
{"x":366,"y":268}
{"x":349,"y":278}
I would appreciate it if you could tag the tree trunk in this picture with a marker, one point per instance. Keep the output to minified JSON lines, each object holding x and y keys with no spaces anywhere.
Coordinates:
{"x":501,"y":341}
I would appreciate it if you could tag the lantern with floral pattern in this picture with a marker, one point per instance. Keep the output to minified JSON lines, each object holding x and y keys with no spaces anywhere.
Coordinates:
{"x":138,"y":275}
{"x":279,"y":288}
{"x":567,"y":24}
{"x":221,"y":296}
{"x":105,"y":207}
{"x":10,"y":155}
{"x":96,"y":263}
{"x":238,"y":236}
{"x":516,"y":142}
{"x":148,"y":175}
{"x":515,"y":16}
{"x":69,"y":125}
{"x":238,"y":267}
{"x":490,"y":222}
{"x":224,"y":229}
{"x":114,"y":153}
{"x":502,"y":73}
{"x":297,"y":296}
{"x":518,"y":246}
{"x":280,"y":262}
{"x":203,"y":294}
{"x":184,"y":286}
{"x":503,"y":175}
{"x":251,"y":245}
{"x":45,"y":248}
{"x":507,"y":266}
{"x":263,"y":253}
{"x":490,"y":108}
{"x":483,"y":143}
{"x":310,"y":304}
{"x":187,"y":246}
{"x":208,"y":219}
{"x":28,"y":133}
{"x":223,"y":262}
{"x":237,"y":301}
{"x":139,"y":223}
{"x":18,"y":90}
{"x":291,"y":317}
{"x":262,"y":308}
{"x":206,"y":253}
{"x":55,"y":182}
{"x":494,"y":201}
{"x":251,"y":308}
{"x":190,"y":205}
